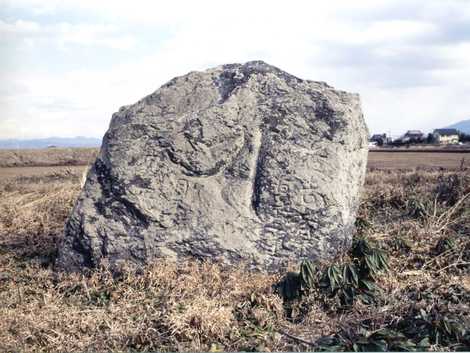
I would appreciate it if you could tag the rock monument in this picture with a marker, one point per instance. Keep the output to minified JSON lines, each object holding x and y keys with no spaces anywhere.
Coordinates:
{"x":239,"y":163}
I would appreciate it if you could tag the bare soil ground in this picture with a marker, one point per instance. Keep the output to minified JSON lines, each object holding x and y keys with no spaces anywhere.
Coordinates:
{"x":420,"y":220}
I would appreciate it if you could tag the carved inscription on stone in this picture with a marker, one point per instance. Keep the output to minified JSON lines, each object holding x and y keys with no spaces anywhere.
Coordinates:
{"x":239,"y":163}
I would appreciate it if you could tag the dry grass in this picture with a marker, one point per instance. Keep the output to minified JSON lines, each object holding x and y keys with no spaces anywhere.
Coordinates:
{"x":200,"y":307}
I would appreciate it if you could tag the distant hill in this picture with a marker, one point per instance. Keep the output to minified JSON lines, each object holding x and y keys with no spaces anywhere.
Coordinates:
{"x":78,"y":141}
{"x":463,"y":126}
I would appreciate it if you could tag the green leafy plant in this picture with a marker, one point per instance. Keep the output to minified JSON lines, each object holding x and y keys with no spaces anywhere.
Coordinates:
{"x":386,"y":340}
{"x":308,"y":275}
{"x":294,"y":285}
{"x":415,"y":332}
{"x":357,"y":278}
{"x":435,"y":328}
{"x":444,"y":244}
{"x":348,"y":281}
{"x":417,"y":208}
{"x":332,"y":278}
{"x":381,"y":340}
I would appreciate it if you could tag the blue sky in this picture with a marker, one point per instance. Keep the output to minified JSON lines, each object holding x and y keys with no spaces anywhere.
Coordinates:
{"x":66,"y":66}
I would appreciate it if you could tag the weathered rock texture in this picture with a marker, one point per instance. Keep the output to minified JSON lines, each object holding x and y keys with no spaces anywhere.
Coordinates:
{"x":236,"y":163}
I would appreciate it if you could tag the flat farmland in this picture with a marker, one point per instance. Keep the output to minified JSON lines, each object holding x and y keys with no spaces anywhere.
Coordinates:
{"x":50,"y":162}
{"x":39,"y":171}
{"x":420,"y":160}
{"x":47,"y":157}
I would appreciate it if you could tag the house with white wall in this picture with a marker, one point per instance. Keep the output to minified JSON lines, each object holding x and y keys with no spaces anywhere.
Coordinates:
{"x":446,"y":136}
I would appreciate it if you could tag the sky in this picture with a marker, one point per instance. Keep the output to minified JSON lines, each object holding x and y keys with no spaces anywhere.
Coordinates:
{"x":66,"y":66}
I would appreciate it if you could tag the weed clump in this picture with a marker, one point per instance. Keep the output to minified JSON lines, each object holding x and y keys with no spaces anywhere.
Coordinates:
{"x":344,"y":281}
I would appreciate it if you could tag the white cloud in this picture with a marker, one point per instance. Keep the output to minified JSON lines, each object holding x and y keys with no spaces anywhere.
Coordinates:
{"x":63,"y":34}
{"x":406,"y":58}
{"x":19,"y":27}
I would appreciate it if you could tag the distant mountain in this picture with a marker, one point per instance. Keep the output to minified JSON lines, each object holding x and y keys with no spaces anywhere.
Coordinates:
{"x":78,"y":141}
{"x":463,"y":126}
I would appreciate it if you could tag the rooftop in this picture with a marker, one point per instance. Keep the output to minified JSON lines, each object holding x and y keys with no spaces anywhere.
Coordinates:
{"x":446,"y":132}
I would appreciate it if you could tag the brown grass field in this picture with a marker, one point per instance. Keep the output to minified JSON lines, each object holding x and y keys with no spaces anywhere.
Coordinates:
{"x":418,"y":215}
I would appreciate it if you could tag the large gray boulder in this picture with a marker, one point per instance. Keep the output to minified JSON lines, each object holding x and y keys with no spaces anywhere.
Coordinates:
{"x":239,"y":163}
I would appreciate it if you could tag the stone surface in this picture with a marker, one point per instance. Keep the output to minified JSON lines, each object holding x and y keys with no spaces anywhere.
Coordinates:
{"x":236,"y":163}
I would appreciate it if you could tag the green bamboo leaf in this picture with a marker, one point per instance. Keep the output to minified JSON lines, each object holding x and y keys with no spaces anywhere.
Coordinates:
{"x":368,"y":285}
{"x":332,"y":279}
{"x":424,"y":343}
{"x":307,"y":275}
